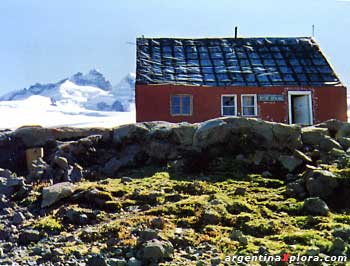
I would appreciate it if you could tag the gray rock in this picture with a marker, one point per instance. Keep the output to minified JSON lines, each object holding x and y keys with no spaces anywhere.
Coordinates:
{"x":296,"y":189}
{"x":313,"y":135}
{"x":157,"y":250}
{"x":320,"y":183}
{"x":215,"y":261}
{"x":29,"y":236}
{"x":344,"y":131}
{"x":240,"y":191}
{"x":302,"y":156}
{"x":5,"y":173}
{"x":344,"y":142}
{"x":134,"y":262}
{"x":126,"y":179}
{"x":289,"y":162}
{"x":57,"y":192}
{"x":338,"y":244}
{"x":76,"y":174}
{"x":237,"y":235}
{"x":158,"y":223}
{"x":328,"y":144}
{"x":286,"y":136}
{"x":148,"y":234}
{"x":129,"y":132}
{"x":117,"y":262}
{"x":61,"y":162}
{"x":315,"y":206}
{"x":18,"y":218}
{"x":96,"y":260}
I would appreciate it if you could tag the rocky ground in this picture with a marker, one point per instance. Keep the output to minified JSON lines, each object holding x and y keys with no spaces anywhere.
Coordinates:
{"x":174,"y":194}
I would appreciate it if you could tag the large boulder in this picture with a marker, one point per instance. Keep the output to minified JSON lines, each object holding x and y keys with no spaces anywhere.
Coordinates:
{"x":315,"y":206}
{"x":157,"y":250}
{"x":286,"y":136}
{"x":290,"y":163}
{"x":314,"y":135}
{"x":320,"y":183}
{"x":129,"y":132}
{"x":36,"y":136}
{"x":54,"y":193}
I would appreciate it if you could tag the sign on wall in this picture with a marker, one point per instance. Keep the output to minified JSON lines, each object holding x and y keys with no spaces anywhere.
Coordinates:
{"x":271,"y":98}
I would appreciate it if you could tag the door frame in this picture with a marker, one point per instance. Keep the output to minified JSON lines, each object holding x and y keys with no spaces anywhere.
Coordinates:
{"x":300,"y":93}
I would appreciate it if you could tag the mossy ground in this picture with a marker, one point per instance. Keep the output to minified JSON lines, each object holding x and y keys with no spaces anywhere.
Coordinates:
{"x":206,"y":208}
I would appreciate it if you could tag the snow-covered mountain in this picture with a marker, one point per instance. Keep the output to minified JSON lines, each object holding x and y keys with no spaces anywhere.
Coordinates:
{"x":91,"y":91}
{"x":83,"y":100}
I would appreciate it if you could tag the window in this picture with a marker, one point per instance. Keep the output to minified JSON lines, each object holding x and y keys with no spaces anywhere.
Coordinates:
{"x":228,"y":105}
{"x":181,"y":105}
{"x":249,"y":105}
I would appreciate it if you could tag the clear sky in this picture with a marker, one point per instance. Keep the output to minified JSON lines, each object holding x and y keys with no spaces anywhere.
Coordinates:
{"x":47,"y":40}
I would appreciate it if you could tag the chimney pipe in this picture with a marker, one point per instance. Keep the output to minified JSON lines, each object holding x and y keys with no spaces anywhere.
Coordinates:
{"x":236,"y":32}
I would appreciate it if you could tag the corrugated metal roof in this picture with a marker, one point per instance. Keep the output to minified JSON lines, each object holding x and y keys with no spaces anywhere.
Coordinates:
{"x":233,"y":62}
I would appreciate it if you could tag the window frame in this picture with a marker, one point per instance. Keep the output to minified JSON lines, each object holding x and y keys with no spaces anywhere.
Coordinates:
{"x":181,"y":109}
{"x":222,"y":104}
{"x":255,"y":105}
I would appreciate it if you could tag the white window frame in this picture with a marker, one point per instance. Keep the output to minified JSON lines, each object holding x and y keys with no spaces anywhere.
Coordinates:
{"x":302,"y":93}
{"x":255,"y":105}
{"x":222,"y":103}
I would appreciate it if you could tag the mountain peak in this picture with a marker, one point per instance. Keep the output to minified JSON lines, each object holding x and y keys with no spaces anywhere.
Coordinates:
{"x":93,"y":78}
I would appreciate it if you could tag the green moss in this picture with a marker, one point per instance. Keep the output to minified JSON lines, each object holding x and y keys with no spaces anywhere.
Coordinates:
{"x":48,"y":224}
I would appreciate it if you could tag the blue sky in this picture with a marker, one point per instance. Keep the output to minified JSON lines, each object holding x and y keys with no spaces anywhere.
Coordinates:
{"x":45,"y":41}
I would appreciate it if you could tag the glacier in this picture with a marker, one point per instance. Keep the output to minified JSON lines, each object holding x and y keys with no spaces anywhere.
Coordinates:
{"x":83,"y":100}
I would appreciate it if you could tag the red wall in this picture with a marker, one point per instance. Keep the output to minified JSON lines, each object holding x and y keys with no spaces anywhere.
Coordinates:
{"x":153,"y":102}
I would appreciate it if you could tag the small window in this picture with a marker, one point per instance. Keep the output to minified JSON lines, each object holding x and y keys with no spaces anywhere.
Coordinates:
{"x":181,"y":105}
{"x":249,"y":105}
{"x":229,"y":105}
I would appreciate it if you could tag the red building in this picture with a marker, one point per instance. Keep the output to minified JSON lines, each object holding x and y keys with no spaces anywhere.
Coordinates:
{"x":285,"y":80}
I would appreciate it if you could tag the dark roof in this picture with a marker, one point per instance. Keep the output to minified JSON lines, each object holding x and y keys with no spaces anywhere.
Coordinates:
{"x":233,"y":62}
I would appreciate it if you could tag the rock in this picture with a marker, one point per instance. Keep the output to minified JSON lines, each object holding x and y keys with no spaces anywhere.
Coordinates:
{"x":302,"y":156}
{"x":313,"y":135}
{"x":130,"y":132}
{"x":344,"y":142}
{"x":215,"y":261}
{"x":328,"y":144}
{"x":320,"y":183}
{"x":296,"y":189}
{"x":289,"y":162}
{"x":158,"y":223}
{"x":5,"y":173}
{"x":313,"y":251}
{"x":315,"y":206}
{"x":77,"y":217}
{"x":157,"y":250}
{"x":29,"y":236}
{"x":286,"y":136}
{"x":237,"y":235}
{"x":56,"y":192}
{"x":148,"y":234}
{"x":76,"y":174}
{"x":134,"y":262}
{"x":344,"y":131}
{"x":18,"y":218}
{"x":126,"y":157}
{"x":338,"y":245}
{"x":126,"y":179}
{"x":96,"y":260}
{"x":61,"y":162}
{"x":266,"y":174}
{"x":1,"y":253}
{"x":342,"y":232}
{"x":117,"y":262}
{"x":240,"y":191}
